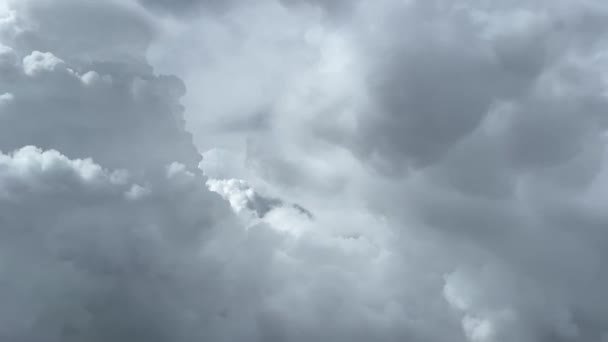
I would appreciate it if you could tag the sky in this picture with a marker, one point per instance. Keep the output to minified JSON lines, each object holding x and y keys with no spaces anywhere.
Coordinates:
{"x":303,"y":170}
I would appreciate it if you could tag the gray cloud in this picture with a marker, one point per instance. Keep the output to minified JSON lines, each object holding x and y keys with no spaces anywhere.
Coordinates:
{"x":101,"y":107}
{"x":476,"y":127}
{"x":187,"y":7}
{"x":128,"y":30}
{"x":110,"y":233}
{"x":453,"y":155}
{"x":464,"y":61}
{"x":336,"y":9}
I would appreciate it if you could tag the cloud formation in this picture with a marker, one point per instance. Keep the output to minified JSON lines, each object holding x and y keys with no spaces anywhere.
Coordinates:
{"x":478,"y":128}
{"x":448,"y":161}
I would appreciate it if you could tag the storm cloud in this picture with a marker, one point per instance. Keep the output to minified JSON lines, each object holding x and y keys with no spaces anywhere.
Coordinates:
{"x":282,"y":170}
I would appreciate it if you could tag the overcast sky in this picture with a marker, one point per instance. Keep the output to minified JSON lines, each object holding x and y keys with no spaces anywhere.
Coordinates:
{"x":303,"y":170}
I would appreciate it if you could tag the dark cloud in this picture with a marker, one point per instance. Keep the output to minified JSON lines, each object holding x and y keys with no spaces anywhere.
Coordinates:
{"x":126,"y":35}
{"x":333,"y":8}
{"x":440,"y":69}
{"x":187,"y":7}
{"x":101,"y":107}
{"x":336,"y":9}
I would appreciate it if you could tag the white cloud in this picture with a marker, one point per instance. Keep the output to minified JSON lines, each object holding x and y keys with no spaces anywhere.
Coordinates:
{"x":235,"y":191}
{"x":38,"y":62}
{"x":137,"y":192}
{"x":478,"y":330}
{"x":30,"y":165}
{"x":92,"y":77}
{"x":6,"y":98}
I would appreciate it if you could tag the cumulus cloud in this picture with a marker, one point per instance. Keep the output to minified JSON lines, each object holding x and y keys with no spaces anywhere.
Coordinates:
{"x":477,"y":128}
{"x":77,"y":268}
{"x":103,"y":107}
{"x":242,"y":197}
{"x":357,"y":171}
{"x":110,"y":232}
{"x":38,"y":62}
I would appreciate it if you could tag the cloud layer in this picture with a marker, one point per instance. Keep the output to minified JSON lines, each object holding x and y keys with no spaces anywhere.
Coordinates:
{"x":448,"y":161}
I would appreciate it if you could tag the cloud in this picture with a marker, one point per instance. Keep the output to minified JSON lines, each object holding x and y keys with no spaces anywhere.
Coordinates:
{"x":109,"y":231}
{"x":128,"y":30}
{"x":81,"y":254}
{"x":102,"y":107}
{"x":474,"y":129}
{"x":430,"y":61}
{"x":187,"y":7}
{"x":7,"y":57}
{"x":242,"y":198}
{"x":191,"y":8}
{"x":6,"y":99}
{"x":453,"y":156}
{"x":336,"y":9}
{"x":38,"y":62}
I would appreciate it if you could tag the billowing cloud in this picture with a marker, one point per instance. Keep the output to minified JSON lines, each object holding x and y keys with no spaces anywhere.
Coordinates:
{"x":85,"y":259}
{"x":38,"y":62}
{"x":357,"y":171}
{"x":242,"y":198}
{"x":105,"y":104}
{"x":109,"y":231}
{"x":477,"y":128}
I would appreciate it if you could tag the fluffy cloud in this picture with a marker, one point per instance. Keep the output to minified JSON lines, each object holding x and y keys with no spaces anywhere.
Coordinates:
{"x":477,"y":128}
{"x":105,"y":105}
{"x":83,"y":259}
{"x":242,"y":197}
{"x":453,"y":157}
{"x":38,"y":62}
{"x":109,"y":231}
